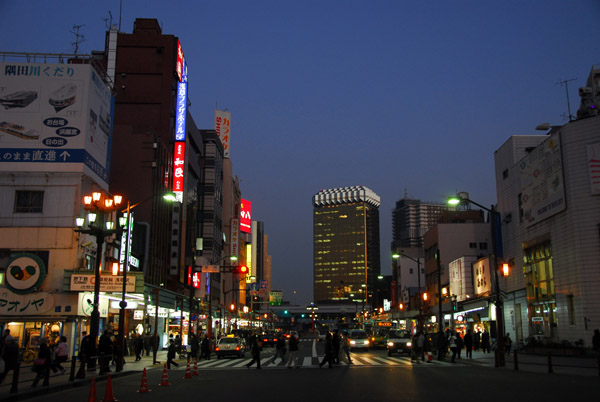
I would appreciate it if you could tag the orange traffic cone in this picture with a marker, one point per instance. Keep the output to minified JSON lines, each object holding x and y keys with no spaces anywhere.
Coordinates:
{"x":165,"y":378}
{"x":144,"y":386}
{"x":108,"y":395}
{"x":188,"y":373}
{"x":195,"y":372}
{"x":92,"y":395}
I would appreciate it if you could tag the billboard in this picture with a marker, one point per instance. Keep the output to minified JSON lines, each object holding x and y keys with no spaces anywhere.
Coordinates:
{"x":223,"y":128}
{"x":55,"y":118}
{"x":542,"y":183}
{"x":245,"y":216}
{"x":178,"y":170}
{"x":482,"y":276}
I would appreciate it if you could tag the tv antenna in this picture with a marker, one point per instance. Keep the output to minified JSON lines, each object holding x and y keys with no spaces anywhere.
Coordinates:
{"x":79,"y":38}
{"x":108,"y":21}
{"x":566,"y":82}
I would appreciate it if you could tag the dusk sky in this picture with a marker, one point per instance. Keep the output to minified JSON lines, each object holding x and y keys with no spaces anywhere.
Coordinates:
{"x":392,"y":95}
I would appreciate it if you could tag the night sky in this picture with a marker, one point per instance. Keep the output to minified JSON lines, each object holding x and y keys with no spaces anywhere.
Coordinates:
{"x":397,"y":96}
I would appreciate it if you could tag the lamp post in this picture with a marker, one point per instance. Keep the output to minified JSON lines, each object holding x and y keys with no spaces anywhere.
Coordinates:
{"x":97,"y":204}
{"x":209,"y":318}
{"x":463,"y":198}
{"x":395,"y":256}
{"x":312,"y":309}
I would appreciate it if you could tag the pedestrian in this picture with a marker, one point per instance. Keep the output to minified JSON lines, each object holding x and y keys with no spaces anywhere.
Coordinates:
{"x":452,"y":343}
{"x":41,"y":365}
{"x":205,"y":348}
{"x":476,"y":340}
{"x":148,"y":343}
{"x":328,"y":351}
{"x":469,"y":344}
{"x":171,"y":353}
{"x":61,"y":355}
{"x":3,"y":338}
{"x":507,"y":343}
{"x":279,"y":348}
{"x":442,"y":345}
{"x":485,"y":341}
{"x":194,"y":346}
{"x":421,"y":345}
{"x":255,"y":350}
{"x":596,"y":341}
{"x":178,"y":345}
{"x":86,"y":351}
{"x":460,"y":344}
{"x":105,"y":350}
{"x":345,"y":348}
{"x":138,"y":346}
{"x":10,"y":355}
{"x":336,"y":347}
{"x":293,"y":346}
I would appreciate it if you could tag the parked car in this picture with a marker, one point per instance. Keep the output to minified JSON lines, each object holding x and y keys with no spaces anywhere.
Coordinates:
{"x":399,"y":341}
{"x":358,"y":339}
{"x":230,"y":346}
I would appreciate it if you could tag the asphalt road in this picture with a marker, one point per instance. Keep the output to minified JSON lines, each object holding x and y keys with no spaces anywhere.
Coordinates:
{"x":228,"y":380}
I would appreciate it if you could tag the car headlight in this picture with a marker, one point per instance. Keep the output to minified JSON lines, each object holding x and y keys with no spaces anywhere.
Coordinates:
{"x":391,"y":344}
{"x":409,"y":344}
{"x":366,"y":342}
{"x":352,"y":342}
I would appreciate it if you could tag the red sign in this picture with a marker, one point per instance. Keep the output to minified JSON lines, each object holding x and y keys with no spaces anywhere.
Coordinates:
{"x":245,"y":216}
{"x":193,"y":278}
{"x":178,"y":167}
{"x":179,"y":65}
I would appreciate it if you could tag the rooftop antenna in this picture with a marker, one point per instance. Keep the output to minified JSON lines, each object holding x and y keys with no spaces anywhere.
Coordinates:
{"x":566,"y":82}
{"x":79,"y":38}
{"x":108,"y":21}
{"x":120,"y":13}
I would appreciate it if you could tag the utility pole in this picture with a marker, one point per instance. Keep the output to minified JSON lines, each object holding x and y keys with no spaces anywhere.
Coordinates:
{"x":79,"y":38}
{"x":439,"y":277}
{"x":566,"y":82}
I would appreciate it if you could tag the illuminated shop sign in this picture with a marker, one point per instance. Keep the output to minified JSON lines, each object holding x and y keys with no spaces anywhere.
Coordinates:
{"x":245,"y":216}
{"x":179,"y":67}
{"x":178,"y":170}
{"x":223,"y":128}
{"x":181,"y":111}
{"x":193,"y":278}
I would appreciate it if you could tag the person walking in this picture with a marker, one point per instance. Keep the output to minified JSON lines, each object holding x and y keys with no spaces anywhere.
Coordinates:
{"x":138,"y":346}
{"x":293,"y":346}
{"x":148,"y":343}
{"x":460,"y":344}
{"x":442,"y":345}
{"x":10,"y":355}
{"x":255,"y":350}
{"x":41,"y":365}
{"x":86,"y":352}
{"x":171,"y":353}
{"x":345,"y":348}
{"x":507,"y":343}
{"x":335,"y":341}
{"x":205,"y":348}
{"x":469,"y":344}
{"x":476,"y":340}
{"x":194,"y":346}
{"x":328,"y":351}
{"x":452,"y":342}
{"x":61,"y":355}
{"x":279,"y":348}
{"x":421,"y":346}
{"x":105,"y":350}
{"x":485,"y":341}
{"x":3,"y":338}
{"x":596,"y":341}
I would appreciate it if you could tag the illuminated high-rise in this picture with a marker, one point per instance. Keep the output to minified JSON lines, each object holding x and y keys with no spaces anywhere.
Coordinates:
{"x":346,"y":244}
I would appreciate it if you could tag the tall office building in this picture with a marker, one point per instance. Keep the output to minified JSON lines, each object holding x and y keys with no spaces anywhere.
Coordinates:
{"x":346,"y":244}
{"x":411,"y":219}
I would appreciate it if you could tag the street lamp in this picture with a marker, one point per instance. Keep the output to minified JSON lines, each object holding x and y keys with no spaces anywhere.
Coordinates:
{"x":209,"y":317}
{"x":463,"y":198}
{"x":395,"y":256}
{"x":98,"y":204}
{"x":312,"y":309}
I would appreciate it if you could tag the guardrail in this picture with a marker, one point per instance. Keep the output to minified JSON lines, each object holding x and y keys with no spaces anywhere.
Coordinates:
{"x":551,"y":365}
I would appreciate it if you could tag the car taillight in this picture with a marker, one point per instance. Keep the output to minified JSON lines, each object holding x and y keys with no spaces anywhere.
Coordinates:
{"x":237,"y":348}
{"x":217,"y":349}
{"x":266,"y":340}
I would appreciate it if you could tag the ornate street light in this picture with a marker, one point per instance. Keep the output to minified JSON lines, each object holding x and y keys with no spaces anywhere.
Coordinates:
{"x":98,"y":205}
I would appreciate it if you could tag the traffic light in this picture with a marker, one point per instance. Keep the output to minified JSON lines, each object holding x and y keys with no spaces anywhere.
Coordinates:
{"x":425,"y":296}
{"x":240,"y":270}
{"x":232,"y":307}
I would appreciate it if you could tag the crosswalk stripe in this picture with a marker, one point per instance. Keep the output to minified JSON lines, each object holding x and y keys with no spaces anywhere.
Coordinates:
{"x":385,"y":361}
{"x":307,"y":361}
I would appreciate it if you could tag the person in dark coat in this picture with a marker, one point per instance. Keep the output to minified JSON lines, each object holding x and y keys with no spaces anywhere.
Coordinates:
{"x":86,"y":351}
{"x":105,"y":350}
{"x":10,"y":355}
{"x":335,"y":341}
{"x":44,"y":358}
{"x":205,"y":348}
{"x":476,"y":340}
{"x":171,"y":353}
{"x":596,"y":341}
{"x":469,"y":343}
{"x":485,"y":342}
{"x":138,"y":346}
{"x":328,"y":351}
{"x":255,"y":352}
{"x":293,"y":346}
{"x":194,"y":346}
{"x":442,"y":345}
{"x":280,"y":348}
{"x":148,"y":343}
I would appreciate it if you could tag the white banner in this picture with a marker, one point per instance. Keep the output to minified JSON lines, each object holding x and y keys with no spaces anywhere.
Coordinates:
{"x":28,"y":304}
{"x":108,"y":283}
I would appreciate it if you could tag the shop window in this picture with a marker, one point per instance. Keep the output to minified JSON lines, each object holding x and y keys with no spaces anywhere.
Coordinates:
{"x":29,"y":201}
{"x":472,"y":245}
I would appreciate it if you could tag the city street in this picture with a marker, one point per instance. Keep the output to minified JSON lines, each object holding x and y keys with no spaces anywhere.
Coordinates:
{"x":373,"y":376}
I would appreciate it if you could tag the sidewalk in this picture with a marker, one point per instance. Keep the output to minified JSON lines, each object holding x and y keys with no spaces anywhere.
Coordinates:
{"x":572,"y":365}
{"x":59,"y":382}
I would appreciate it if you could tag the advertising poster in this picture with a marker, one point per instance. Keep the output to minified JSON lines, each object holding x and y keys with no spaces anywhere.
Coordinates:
{"x":55,"y":117}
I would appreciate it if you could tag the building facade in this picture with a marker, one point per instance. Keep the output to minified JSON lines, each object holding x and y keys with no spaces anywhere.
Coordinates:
{"x":345,"y":244}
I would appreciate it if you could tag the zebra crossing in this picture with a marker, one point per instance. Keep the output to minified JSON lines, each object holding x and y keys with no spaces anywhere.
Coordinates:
{"x":313,"y":362}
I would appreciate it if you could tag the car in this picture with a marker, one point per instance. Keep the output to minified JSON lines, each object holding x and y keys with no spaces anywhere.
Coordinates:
{"x":379,"y":339}
{"x":267,"y":339}
{"x":358,"y":339}
{"x":230,"y":346}
{"x":399,"y":341}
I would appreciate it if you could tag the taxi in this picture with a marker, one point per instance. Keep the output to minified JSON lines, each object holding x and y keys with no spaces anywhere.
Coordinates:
{"x":230,"y":346}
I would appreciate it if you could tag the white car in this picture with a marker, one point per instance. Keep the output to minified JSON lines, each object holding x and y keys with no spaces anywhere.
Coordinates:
{"x":230,"y":346}
{"x":358,"y":339}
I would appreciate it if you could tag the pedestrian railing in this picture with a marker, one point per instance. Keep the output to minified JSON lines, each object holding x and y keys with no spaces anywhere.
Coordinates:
{"x":550,"y":365}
